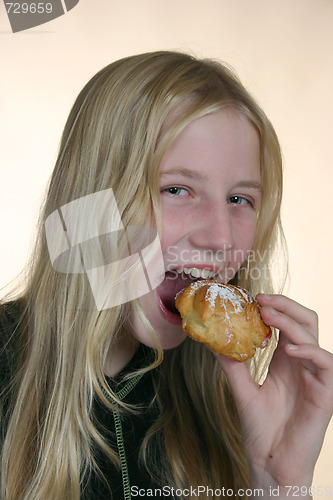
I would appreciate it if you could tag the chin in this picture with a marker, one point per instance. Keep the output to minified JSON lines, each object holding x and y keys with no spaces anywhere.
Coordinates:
{"x":170,"y":340}
{"x":166,"y":323}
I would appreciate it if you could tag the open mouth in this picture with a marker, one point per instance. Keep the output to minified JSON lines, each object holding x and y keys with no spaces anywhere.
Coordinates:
{"x":175,"y":281}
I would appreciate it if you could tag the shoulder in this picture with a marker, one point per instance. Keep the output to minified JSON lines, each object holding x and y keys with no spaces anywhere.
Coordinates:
{"x":10,"y":313}
{"x":10,"y":319}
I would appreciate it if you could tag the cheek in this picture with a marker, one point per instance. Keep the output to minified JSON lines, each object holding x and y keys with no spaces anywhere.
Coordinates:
{"x":244,"y":237}
{"x":173,"y":229}
{"x":250,"y":232}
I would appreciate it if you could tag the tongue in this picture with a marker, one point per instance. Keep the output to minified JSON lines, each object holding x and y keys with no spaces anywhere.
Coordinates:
{"x":170,"y":286}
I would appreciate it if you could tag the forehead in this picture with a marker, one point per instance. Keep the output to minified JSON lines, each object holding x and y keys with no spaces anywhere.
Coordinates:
{"x":222,"y":138}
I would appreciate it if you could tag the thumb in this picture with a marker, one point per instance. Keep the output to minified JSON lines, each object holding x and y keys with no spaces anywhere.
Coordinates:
{"x":242,"y":384}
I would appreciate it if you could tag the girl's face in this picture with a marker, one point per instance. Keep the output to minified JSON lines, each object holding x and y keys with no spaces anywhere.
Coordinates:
{"x":210,"y":192}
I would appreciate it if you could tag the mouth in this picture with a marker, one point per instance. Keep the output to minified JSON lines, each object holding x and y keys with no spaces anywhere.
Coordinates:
{"x":174,"y":281}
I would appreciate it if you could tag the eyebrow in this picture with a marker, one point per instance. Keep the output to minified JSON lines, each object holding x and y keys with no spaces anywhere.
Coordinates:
{"x":193,"y":174}
{"x":250,"y":184}
{"x":186,"y":172}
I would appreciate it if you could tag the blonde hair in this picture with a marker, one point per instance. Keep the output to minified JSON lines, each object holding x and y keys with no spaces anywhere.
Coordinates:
{"x":113,"y":139}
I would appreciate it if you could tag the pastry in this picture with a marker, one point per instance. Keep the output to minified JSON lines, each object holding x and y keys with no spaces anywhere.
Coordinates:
{"x":224,"y":317}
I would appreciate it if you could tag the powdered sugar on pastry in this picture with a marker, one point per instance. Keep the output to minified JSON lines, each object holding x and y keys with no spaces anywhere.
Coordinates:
{"x":225,"y":293}
{"x":224,"y":317}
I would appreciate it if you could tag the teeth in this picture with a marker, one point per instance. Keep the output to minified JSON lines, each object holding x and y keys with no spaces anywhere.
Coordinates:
{"x":205,"y":273}
{"x":197,"y":273}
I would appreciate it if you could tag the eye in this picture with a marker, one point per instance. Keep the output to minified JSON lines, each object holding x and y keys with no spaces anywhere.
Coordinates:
{"x":175,"y":191}
{"x":239,"y":200}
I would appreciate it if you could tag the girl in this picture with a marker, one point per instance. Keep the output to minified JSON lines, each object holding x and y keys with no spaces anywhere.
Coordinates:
{"x":113,"y":400}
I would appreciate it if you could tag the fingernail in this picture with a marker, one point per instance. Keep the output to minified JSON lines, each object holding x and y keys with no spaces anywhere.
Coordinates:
{"x":292,"y":347}
{"x":264,"y":296}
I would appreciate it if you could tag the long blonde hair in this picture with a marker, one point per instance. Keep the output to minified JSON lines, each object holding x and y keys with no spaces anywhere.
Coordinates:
{"x":113,"y":139}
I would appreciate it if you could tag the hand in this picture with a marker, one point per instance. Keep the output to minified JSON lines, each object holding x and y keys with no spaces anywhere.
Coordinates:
{"x":284,"y":420}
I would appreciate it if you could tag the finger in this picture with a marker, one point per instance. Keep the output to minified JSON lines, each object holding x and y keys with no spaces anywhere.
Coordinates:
{"x":294,"y":332}
{"x":300,"y":313}
{"x":320,"y":359}
{"x":317,"y":374}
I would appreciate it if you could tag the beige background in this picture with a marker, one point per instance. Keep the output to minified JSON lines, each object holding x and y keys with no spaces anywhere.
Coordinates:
{"x":282,"y":50}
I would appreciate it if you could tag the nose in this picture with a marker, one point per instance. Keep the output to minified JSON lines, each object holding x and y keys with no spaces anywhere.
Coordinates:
{"x":212,"y":228}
